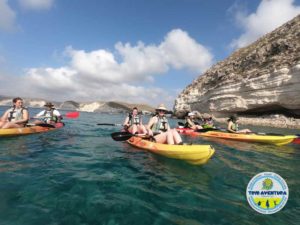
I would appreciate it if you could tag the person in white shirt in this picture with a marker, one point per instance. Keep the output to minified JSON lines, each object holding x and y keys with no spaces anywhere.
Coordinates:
{"x":15,"y":117}
{"x":49,"y":115}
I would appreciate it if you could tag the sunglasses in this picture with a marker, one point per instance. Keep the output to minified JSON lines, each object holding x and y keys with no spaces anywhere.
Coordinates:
{"x":161,"y":110}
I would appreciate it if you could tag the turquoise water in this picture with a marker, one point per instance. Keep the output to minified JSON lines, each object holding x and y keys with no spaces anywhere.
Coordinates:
{"x":79,"y":175}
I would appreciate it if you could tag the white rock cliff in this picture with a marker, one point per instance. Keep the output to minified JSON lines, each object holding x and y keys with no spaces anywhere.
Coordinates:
{"x":261,"y":79}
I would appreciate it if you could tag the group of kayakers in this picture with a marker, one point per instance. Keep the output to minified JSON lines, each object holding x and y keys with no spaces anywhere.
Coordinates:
{"x":159,"y":129}
{"x":158,"y":126}
{"x":18,"y":116}
{"x":207,"y":123}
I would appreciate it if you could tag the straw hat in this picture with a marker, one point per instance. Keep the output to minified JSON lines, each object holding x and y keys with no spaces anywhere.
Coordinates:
{"x":206,"y":116}
{"x":48,"y":104}
{"x":161,"y":107}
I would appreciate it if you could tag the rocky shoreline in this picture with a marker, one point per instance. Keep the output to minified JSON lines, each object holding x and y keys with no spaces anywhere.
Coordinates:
{"x":277,"y":121}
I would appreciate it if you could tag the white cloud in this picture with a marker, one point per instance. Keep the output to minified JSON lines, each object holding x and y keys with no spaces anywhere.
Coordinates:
{"x":7,"y":17}
{"x":98,"y":75}
{"x":181,"y":51}
{"x":36,"y":4}
{"x":269,"y":15}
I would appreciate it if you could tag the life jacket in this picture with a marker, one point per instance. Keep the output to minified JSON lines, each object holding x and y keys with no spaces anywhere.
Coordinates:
{"x":49,"y":116}
{"x":161,"y":125}
{"x":235,"y":126}
{"x":207,"y":123}
{"x":134,"y":119}
{"x":15,"y":114}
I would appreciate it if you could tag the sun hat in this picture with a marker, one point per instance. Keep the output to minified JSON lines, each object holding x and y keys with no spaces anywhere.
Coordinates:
{"x":206,"y":116}
{"x":161,"y":107}
{"x":191,"y":114}
{"x":48,"y":104}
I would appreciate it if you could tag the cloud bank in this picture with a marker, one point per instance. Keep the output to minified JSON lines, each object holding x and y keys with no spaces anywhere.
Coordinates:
{"x":7,"y":16}
{"x":128,"y":73}
{"x":36,"y":4}
{"x":269,"y":15}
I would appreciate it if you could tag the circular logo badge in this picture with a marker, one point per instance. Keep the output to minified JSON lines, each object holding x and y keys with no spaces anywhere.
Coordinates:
{"x":267,"y":193}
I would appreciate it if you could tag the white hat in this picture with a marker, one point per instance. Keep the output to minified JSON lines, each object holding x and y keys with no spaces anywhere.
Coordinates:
{"x":191,"y":114}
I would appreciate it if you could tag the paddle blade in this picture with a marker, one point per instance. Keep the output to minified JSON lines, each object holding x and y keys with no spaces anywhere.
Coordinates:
{"x":109,"y":124}
{"x":72,"y":115}
{"x":181,"y":124}
{"x":296,"y":140}
{"x":121,"y":136}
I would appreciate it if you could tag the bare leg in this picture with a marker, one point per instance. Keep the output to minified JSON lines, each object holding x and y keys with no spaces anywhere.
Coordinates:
{"x":38,"y":122}
{"x":161,"y":138}
{"x":2,"y":123}
{"x":142,"y":129}
{"x":11,"y":125}
{"x":170,"y":138}
{"x":134,"y":129}
{"x":244,"y":131}
{"x":176,"y":136}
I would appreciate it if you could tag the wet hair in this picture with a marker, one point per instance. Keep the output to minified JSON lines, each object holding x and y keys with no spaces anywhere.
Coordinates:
{"x":134,"y":108}
{"x":17,"y":99}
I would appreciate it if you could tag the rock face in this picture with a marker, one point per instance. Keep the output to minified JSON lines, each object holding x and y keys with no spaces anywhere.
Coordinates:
{"x":261,"y":79}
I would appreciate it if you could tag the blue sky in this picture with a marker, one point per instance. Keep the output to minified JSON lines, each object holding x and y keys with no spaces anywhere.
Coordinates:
{"x":138,"y":51}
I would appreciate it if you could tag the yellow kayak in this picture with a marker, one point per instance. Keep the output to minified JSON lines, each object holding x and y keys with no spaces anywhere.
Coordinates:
{"x":28,"y":130}
{"x":261,"y":138}
{"x":193,"y":154}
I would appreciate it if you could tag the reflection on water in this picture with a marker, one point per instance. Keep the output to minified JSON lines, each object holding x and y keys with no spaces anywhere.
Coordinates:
{"x":79,"y":175}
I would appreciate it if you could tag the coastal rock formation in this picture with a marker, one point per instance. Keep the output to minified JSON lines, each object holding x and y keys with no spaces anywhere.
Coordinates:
{"x":97,"y":106}
{"x":262,"y":79}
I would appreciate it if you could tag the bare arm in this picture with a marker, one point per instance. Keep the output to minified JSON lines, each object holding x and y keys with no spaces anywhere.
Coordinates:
{"x":40,"y":114}
{"x":149,"y":125}
{"x":190,"y":122}
{"x":126,"y":122}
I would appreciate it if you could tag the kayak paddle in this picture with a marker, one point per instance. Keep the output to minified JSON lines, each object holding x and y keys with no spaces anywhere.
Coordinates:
{"x":69,"y":115}
{"x":121,"y":136}
{"x":124,"y":136}
{"x":72,"y":115}
{"x":109,"y":124}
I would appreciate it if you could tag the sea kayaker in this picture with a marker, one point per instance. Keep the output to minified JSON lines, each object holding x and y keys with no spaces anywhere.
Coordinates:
{"x":207,"y":121}
{"x":233,"y":126}
{"x":158,"y":127}
{"x":190,"y":122}
{"x":49,"y":115}
{"x":15,"y":117}
{"x":133,"y":123}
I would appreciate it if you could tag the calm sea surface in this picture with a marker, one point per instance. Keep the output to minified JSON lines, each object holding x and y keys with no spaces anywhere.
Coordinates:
{"x":79,"y":175}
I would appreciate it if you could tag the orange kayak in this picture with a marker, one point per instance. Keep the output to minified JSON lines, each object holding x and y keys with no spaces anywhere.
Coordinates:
{"x":193,"y":154}
{"x":28,"y":130}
